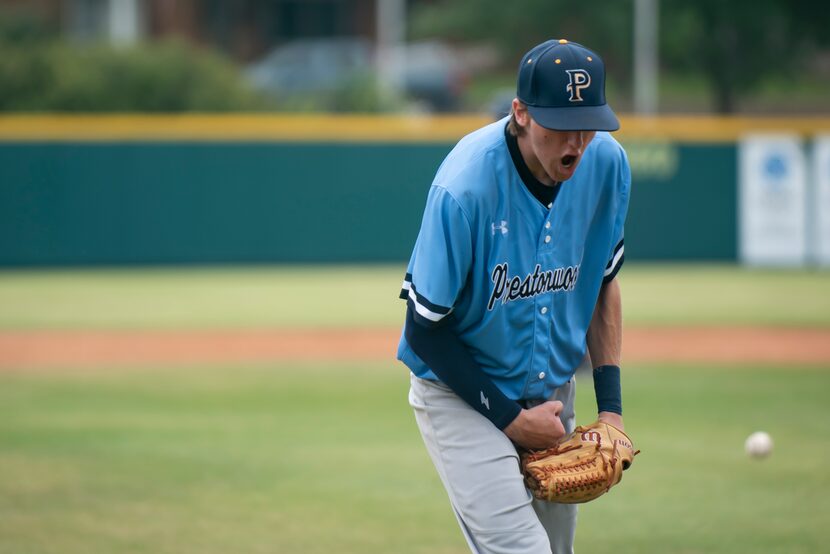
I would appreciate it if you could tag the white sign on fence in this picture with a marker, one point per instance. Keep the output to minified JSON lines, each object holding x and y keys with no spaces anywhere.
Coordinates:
{"x":772,"y":201}
{"x":821,"y":200}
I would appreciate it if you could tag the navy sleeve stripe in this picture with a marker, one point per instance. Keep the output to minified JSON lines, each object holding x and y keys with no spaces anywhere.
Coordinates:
{"x":616,"y":253}
{"x":418,"y":318}
{"x":407,"y":283}
{"x":428,"y":313}
{"x":421,"y":301}
{"x":610,"y":276}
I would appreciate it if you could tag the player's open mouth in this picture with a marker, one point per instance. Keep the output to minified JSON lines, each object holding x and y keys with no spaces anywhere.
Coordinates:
{"x":567,"y":161}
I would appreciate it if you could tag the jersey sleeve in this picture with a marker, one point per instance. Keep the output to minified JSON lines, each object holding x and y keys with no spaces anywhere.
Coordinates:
{"x":617,"y":254}
{"x":440,"y":261}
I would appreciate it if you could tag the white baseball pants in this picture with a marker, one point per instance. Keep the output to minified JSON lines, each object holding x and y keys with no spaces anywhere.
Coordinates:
{"x":479,"y":467}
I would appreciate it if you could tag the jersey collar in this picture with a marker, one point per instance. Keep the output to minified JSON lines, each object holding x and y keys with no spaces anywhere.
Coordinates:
{"x":543,"y":193}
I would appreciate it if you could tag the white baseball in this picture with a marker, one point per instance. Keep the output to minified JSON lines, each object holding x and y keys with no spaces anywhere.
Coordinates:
{"x":758,"y":445}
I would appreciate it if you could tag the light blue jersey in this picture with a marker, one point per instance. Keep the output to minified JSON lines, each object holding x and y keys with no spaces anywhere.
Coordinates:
{"x":521,"y":280}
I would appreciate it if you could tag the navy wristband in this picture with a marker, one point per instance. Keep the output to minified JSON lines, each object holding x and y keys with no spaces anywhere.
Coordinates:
{"x":607,"y":388}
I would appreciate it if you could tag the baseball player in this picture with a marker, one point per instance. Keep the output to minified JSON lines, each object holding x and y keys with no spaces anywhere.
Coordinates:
{"x":511,"y":278}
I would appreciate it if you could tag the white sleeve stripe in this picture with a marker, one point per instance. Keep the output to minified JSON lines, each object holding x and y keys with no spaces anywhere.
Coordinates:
{"x":616,"y":250}
{"x":406,"y":285}
{"x":425,"y":312}
{"x":614,"y":262}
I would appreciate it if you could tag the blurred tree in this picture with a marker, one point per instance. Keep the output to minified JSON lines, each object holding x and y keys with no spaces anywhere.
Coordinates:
{"x":39,"y":72}
{"x":515,"y":27}
{"x":734,"y":45}
{"x":24,"y":29}
{"x":738,"y":44}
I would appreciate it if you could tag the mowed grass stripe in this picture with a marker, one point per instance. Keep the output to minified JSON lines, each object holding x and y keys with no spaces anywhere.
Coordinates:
{"x":366,"y":296}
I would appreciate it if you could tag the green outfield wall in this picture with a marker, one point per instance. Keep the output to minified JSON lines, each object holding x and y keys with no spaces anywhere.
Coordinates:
{"x":89,"y":191}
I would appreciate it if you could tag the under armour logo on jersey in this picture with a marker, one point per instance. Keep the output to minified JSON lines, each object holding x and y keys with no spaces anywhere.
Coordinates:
{"x":484,"y":400}
{"x":579,"y":79}
{"x":500,"y":227}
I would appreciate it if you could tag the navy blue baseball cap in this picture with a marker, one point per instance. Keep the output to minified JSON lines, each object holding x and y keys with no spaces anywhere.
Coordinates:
{"x":562,"y":84}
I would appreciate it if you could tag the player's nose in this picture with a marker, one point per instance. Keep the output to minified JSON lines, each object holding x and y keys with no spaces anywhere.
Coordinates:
{"x":575,"y":139}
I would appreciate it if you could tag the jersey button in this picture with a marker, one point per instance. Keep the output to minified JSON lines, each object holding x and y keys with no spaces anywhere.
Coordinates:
{"x":547,"y":239}
{"x":541,"y":375}
{"x":547,"y":225}
{"x":545,"y":310}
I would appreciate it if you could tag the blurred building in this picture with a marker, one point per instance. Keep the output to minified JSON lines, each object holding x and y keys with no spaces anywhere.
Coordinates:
{"x":242,"y":29}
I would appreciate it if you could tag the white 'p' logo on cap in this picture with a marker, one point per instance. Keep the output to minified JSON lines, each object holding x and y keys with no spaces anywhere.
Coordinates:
{"x":579,"y":79}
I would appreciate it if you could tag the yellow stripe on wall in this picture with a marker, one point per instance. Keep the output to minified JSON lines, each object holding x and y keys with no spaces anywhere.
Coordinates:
{"x":704,"y":128}
{"x":284,"y":128}
{"x":362,"y":128}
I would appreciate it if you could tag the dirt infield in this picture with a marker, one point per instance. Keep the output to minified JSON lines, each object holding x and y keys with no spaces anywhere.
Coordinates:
{"x":88,"y":349}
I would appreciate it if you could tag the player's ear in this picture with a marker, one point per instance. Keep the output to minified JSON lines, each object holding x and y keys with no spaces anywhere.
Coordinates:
{"x":520,"y":113}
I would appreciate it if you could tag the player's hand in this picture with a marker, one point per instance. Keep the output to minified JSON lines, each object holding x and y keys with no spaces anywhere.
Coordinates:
{"x":612,"y":418}
{"x":538,"y":427}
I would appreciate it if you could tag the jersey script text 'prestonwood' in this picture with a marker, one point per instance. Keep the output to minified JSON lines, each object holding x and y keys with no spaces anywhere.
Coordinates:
{"x":535,"y":283}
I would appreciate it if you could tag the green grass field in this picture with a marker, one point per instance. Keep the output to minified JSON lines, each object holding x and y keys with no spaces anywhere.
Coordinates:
{"x":326,"y":458}
{"x":328,"y":296}
{"x":319,"y":459}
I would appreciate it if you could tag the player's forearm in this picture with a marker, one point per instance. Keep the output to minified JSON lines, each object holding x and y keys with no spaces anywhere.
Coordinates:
{"x":605,"y":344}
{"x":605,"y":332}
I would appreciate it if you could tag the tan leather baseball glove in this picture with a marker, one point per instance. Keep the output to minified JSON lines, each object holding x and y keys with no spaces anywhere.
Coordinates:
{"x":581,"y":467}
